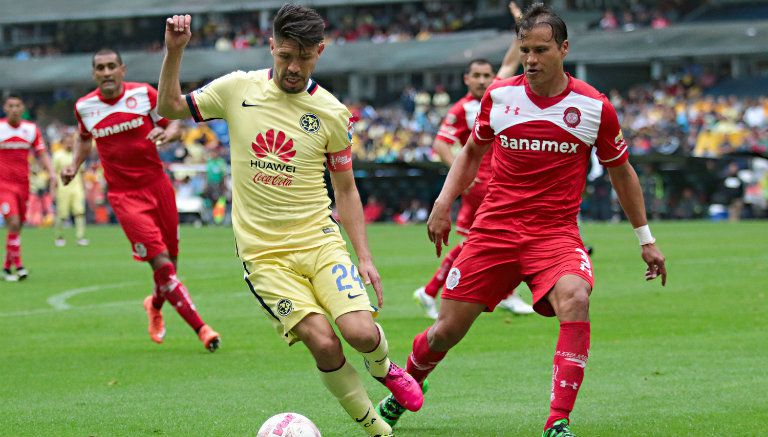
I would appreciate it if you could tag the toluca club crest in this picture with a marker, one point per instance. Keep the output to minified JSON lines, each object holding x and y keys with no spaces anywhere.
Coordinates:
{"x":572,"y":117}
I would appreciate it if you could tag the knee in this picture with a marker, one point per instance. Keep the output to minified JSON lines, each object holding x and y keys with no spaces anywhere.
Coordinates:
{"x":573,"y":302}
{"x":363,"y":340}
{"x":325,"y":345}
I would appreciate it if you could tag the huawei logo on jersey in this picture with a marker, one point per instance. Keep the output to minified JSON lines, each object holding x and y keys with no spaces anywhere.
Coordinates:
{"x":274,"y":144}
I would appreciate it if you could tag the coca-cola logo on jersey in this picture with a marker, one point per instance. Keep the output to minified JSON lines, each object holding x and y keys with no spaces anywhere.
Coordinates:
{"x":277,"y":145}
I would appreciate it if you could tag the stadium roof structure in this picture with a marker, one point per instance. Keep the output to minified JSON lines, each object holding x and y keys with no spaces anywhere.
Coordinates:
{"x":37,"y":11}
{"x":722,"y":40}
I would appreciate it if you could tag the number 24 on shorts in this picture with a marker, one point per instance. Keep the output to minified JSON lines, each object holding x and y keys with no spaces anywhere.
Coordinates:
{"x":345,"y":278}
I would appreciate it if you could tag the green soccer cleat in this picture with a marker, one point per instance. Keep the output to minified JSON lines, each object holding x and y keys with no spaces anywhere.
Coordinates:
{"x":559,"y":429}
{"x":390,"y":410}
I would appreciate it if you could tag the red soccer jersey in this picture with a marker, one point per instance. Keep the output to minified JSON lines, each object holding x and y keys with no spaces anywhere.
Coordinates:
{"x":541,"y":152}
{"x":120,"y":127}
{"x":456,"y":129}
{"x":15,"y":144}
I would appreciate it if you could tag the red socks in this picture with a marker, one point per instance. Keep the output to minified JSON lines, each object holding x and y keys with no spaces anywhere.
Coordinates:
{"x":168,"y":287}
{"x":422,"y":359}
{"x":568,"y":370}
{"x":12,"y":251}
{"x":438,"y":280}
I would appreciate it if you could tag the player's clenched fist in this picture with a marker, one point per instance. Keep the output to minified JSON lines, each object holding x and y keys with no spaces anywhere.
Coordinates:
{"x":177,"y":31}
{"x":67,"y":174}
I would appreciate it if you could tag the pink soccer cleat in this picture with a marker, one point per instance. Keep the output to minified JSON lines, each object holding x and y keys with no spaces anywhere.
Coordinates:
{"x":156,"y":324}
{"x":210,"y":338}
{"x":404,"y":388}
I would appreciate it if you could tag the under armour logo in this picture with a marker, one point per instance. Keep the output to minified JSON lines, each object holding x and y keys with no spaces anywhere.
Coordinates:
{"x":517,"y":110}
{"x":564,"y":383}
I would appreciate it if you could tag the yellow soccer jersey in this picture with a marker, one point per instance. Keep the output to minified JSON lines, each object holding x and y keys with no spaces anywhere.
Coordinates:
{"x":278,"y":144}
{"x":60,"y":159}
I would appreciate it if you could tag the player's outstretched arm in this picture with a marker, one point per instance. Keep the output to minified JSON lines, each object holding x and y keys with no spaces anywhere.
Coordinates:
{"x":462,"y":173}
{"x":351,"y":214}
{"x":511,"y":60}
{"x":171,"y":103}
{"x":80,"y":151}
{"x":630,"y":194}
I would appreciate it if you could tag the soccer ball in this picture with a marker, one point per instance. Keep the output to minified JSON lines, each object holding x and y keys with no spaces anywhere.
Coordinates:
{"x":288,"y":425}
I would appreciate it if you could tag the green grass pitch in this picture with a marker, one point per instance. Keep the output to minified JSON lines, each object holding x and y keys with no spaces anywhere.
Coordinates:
{"x":688,"y":359}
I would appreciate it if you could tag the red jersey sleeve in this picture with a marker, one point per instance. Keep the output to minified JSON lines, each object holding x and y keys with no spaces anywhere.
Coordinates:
{"x":454,"y":129}
{"x":156,"y":118}
{"x":611,"y":147}
{"x":84,"y":134}
{"x":483,"y":133}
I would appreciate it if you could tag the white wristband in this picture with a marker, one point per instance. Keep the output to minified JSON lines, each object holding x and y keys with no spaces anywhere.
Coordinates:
{"x":644,"y":235}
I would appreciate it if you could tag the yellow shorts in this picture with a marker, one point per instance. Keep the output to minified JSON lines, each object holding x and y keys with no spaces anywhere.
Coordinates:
{"x":70,"y":200}
{"x":291,"y":285}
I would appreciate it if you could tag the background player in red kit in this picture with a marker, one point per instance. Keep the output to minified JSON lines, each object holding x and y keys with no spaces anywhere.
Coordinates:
{"x":455,"y":131}
{"x":542,"y":126}
{"x":122,"y":118}
{"x":17,"y":137}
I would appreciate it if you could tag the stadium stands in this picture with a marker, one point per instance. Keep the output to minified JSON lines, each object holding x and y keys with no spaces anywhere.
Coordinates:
{"x":682,"y":107}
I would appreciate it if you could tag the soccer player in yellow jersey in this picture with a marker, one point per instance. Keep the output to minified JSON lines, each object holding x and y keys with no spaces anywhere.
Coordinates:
{"x":70,"y":199}
{"x":285,"y":130}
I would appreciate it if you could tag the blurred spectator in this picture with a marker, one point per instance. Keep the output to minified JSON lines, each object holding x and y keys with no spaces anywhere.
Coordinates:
{"x":732,"y":192}
{"x":689,"y":206}
{"x":373,"y":209}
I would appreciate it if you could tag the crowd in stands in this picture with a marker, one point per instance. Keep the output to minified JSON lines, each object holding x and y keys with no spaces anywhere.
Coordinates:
{"x":237,"y":31}
{"x":675,"y":117}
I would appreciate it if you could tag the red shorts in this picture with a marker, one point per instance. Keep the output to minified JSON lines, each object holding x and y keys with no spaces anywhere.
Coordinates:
{"x":13,"y":201}
{"x":149,"y":219}
{"x":488,"y":267}
{"x":470,"y":202}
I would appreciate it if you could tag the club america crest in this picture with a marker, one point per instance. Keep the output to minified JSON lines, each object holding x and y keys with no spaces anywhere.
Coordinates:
{"x":572,"y":117}
{"x":284,"y":307}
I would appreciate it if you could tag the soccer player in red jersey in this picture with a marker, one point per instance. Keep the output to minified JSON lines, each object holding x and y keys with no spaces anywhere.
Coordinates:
{"x":122,"y":119}
{"x":455,"y":131}
{"x":542,"y":126}
{"x":17,"y":137}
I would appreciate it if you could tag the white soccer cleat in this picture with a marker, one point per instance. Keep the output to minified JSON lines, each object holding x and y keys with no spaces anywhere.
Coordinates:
{"x":21,"y":273}
{"x":427,"y":302}
{"x":83,"y":242}
{"x":60,"y":242}
{"x":8,"y":276}
{"x":515,"y":304}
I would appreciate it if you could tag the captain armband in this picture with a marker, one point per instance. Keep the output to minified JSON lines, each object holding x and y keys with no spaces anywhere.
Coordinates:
{"x":339,"y":161}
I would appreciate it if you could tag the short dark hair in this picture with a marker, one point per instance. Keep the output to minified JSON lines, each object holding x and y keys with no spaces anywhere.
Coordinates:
{"x":10,"y":96}
{"x":298,"y":23}
{"x":481,"y":61}
{"x":106,"y":51}
{"x":540,"y":15}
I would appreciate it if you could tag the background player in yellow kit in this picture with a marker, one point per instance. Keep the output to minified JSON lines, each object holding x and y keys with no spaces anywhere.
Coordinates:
{"x":70,"y":199}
